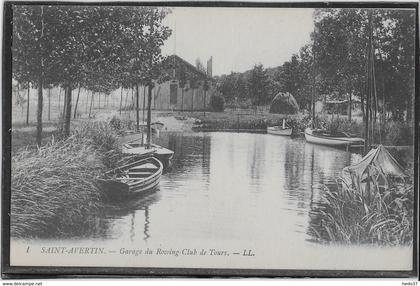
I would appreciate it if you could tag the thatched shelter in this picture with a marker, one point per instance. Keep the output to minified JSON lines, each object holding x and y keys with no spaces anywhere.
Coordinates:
{"x":284,"y":103}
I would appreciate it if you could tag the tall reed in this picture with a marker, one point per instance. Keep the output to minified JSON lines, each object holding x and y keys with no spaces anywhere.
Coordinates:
{"x":53,"y":190}
{"x":384,"y":216}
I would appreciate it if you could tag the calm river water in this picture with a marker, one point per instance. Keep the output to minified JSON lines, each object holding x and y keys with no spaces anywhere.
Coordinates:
{"x":231,"y":186}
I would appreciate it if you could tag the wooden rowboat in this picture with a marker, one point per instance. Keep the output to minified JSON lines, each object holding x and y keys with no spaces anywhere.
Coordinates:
{"x":280,"y":130}
{"x":340,"y":139}
{"x":132,"y":179}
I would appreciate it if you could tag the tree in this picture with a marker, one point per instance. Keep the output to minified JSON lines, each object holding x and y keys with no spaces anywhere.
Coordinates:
{"x":30,"y":51}
{"x":199,"y":65}
{"x":342,"y":55}
{"x":97,"y":48}
{"x":258,"y":85}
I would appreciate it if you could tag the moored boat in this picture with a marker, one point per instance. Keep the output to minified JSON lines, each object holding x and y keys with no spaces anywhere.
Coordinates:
{"x":338,"y":139}
{"x":161,"y":153}
{"x":280,"y":130}
{"x":132,"y":179}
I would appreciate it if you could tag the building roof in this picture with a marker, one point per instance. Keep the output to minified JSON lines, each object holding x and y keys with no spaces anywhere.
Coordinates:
{"x":191,"y":68}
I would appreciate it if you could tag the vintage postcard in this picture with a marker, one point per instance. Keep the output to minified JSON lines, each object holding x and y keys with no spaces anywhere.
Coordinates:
{"x":260,"y":137}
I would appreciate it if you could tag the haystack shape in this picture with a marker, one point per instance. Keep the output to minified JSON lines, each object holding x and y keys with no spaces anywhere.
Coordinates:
{"x":284,"y":103}
{"x":377,"y":165}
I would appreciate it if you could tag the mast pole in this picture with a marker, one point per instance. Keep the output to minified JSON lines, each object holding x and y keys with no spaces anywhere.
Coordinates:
{"x":369,"y":89}
{"x":313,"y":81}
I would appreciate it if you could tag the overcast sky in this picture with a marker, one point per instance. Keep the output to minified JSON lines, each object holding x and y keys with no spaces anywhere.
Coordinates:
{"x":238,"y":38}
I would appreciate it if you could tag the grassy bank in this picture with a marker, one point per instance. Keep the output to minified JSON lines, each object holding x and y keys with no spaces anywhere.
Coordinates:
{"x":387,"y":133}
{"x":238,"y":119}
{"x":385,"y":218}
{"x":391,"y":133}
{"x":53,"y":189}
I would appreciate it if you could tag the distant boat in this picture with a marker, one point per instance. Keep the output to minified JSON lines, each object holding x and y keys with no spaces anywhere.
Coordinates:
{"x":280,"y":130}
{"x":132,"y":179}
{"x":338,"y":139}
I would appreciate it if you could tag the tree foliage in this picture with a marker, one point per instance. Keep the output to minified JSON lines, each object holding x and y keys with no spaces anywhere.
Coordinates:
{"x":96,"y":47}
{"x":334,"y":63}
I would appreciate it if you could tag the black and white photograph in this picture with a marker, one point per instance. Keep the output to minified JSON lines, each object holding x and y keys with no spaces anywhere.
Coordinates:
{"x":211,"y":137}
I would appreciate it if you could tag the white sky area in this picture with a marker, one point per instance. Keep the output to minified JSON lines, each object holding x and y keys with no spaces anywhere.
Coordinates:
{"x":237,"y":38}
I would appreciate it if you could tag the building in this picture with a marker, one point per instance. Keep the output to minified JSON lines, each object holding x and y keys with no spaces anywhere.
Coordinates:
{"x":186,"y":87}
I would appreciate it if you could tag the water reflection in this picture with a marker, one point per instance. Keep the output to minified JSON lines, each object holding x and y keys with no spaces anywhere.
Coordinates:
{"x":232,"y":186}
{"x":129,"y":218}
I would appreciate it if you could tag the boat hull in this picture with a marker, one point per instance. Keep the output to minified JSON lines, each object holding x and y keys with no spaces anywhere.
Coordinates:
{"x":135,"y":183}
{"x":279,"y":131}
{"x":332,"y":141}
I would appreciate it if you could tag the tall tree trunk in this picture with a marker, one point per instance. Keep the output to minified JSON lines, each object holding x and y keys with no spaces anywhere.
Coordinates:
{"x":362,"y":105}
{"x":77,"y":101}
{"x":87,"y":102}
{"x":349,"y":107}
{"x":144,"y":100}
{"x":59,"y":101}
{"x":39,"y":114}
{"x":137,"y":108}
{"x":27,"y":105}
{"x":121,"y":99}
{"x":182,"y":100}
{"x":49,"y":104}
{"x":132,"y":97}
{"x":204,"y":104}
{"x":91,"y":104}
{"x":99,"y":100}
{"x":126,"y":98}
{"x":67,"y":115}
{"x":192,"y":99}
{"x":149,"y":116}
{"x":64,"y":105}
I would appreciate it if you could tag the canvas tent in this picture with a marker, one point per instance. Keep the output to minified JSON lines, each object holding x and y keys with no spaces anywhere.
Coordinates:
{"x":377,"y":165}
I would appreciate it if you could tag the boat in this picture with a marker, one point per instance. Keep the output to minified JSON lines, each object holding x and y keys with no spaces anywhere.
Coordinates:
{"x":140,"y":147}
{"x":337,"y":139}
{"x":161,"y":153}
{"x":156,"y":127}
{"x":280,"y":130}
{"x":132,"y":179}
{"x":323,"y":136}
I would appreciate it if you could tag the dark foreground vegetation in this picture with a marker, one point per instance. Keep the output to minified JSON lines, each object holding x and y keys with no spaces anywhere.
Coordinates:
{"x":53,"y":189}
{"x":385,"y":217}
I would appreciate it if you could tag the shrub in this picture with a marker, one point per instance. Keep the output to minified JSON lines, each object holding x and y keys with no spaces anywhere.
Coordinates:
{"x":335,"y":124}
{"x":121,"y":125}
{"x":104,"y":139}
{"x":397,"y":133}
{"x":217,"y":103}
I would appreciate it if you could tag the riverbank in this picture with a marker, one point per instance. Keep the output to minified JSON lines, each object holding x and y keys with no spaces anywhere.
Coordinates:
{"x":34,"y":171}
{"x":53,"y":188}
{"x":396,"y":134}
